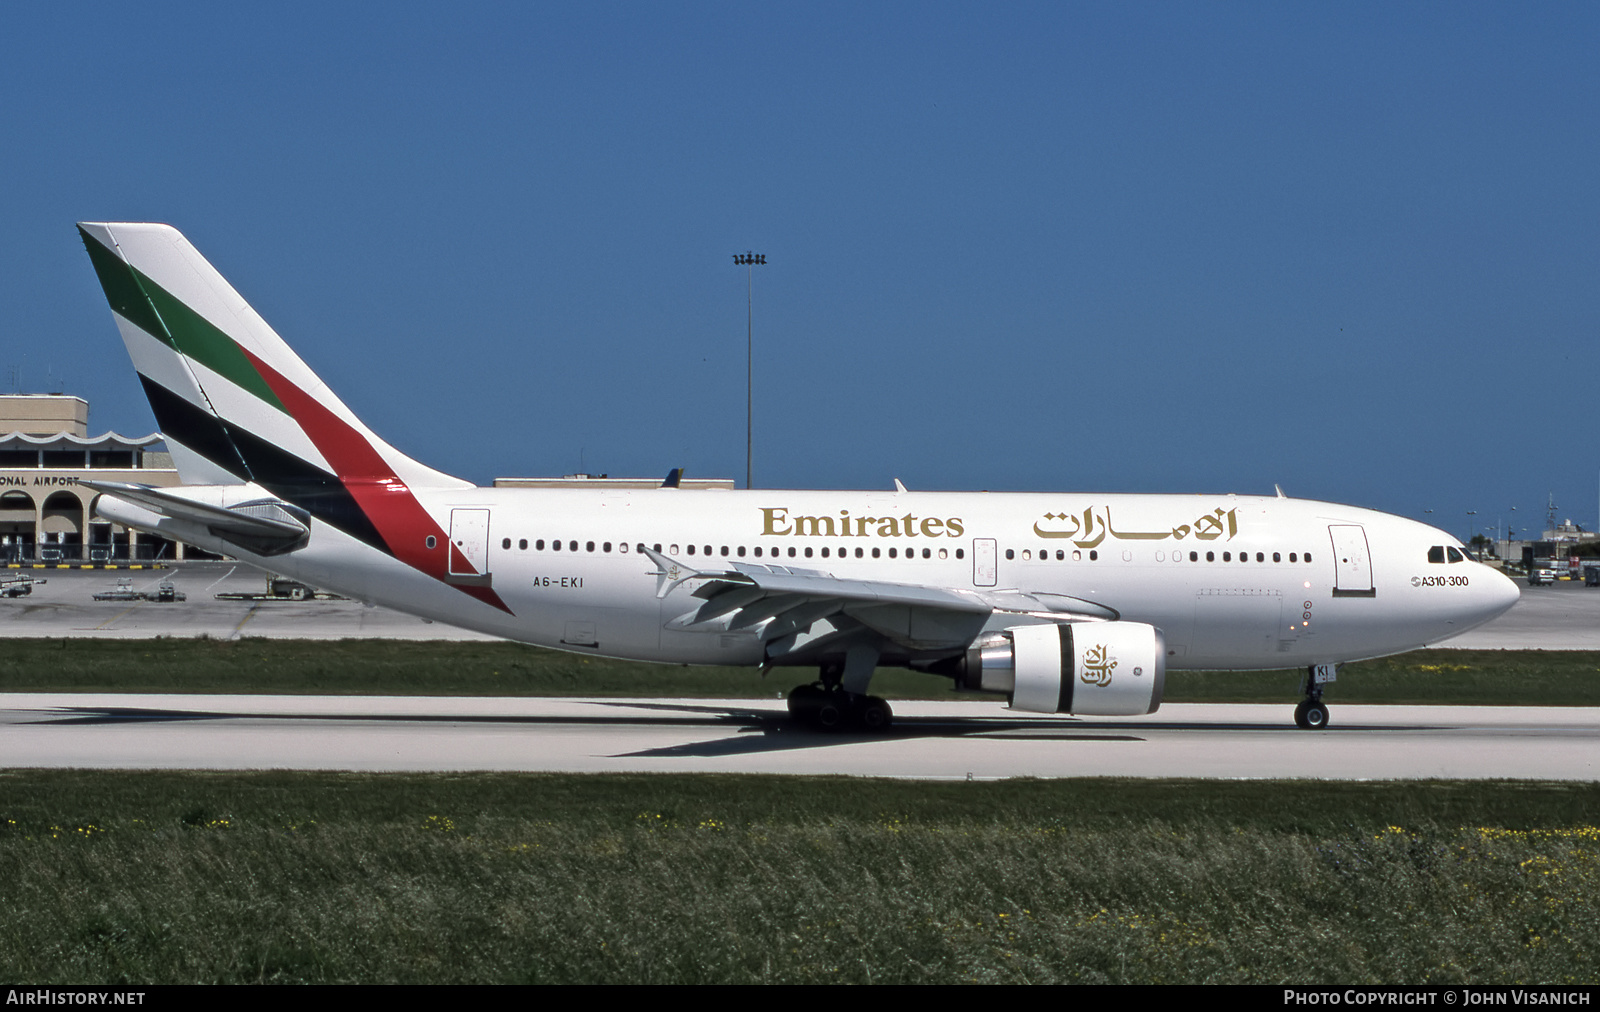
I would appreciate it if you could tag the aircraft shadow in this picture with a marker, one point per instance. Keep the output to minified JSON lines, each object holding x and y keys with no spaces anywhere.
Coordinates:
{"x":756,"y":731}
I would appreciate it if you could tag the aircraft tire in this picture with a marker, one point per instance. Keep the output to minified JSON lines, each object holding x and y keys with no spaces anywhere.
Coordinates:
{"x":1299,"y":714}
{"x":804,"y":700}
{"x":874,"y":714}
{"x":830,"y":714}
{"x":1316,"y":716}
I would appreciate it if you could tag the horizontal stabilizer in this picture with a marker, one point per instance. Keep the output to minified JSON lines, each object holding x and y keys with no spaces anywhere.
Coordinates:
{"x":262,"y":526}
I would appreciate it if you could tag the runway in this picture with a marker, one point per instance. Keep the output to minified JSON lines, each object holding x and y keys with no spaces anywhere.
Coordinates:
{"x":930,"y":740}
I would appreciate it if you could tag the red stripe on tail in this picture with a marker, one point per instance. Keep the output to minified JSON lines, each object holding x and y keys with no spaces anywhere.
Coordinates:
{"x":386,"y":500}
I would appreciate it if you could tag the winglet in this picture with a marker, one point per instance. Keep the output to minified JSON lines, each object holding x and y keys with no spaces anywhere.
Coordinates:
{"x":674,"y":478}
{"x":1279,"y":489}
{"x":899,"y":486}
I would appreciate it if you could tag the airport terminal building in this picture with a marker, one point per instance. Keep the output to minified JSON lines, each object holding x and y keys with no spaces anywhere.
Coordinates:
{"x":46,"y":515}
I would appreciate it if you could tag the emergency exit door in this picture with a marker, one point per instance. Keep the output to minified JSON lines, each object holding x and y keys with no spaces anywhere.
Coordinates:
{"x":984,"y":562}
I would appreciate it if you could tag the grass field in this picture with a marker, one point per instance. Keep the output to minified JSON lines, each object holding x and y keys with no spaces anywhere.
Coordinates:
{"x":388,"y":667}
{"x":189,"y":877}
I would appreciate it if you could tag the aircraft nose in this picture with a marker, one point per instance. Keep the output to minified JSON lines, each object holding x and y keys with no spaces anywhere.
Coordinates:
{"x":1499,"y":594}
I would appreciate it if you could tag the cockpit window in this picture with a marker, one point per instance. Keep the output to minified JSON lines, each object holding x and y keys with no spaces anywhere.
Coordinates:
{"x":1436,"y":553}
{"x":1455,"y":555}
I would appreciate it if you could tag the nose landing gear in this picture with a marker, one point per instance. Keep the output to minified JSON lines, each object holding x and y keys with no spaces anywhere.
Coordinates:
{"x":1312,"y":713}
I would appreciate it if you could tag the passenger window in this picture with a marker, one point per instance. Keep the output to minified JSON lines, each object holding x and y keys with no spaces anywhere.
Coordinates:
{"x":858,"y":553}
{"x":824,"y":553}
{"x":808,"y":552}
{"x":741,"y":551}
{"x":523,"y":544}
{"x":1009,"y":553}
{"x":1194,"y":556}
{"x":1276,"y":557}
{"x":505,"y":542}
{"x":555,"y":546}
{"x":1436,"y":554}
{"x":539,"y":544}
{"x":961,"y":553}
{"x":606,"y":547}
{"x":691,"y":549}
{"x":877,"y":553}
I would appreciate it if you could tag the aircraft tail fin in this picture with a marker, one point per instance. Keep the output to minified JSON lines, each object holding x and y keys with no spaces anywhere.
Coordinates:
{"x":234,"y":402}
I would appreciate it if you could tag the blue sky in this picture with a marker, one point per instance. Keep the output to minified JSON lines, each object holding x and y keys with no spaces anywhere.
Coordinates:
{"x":1353,"y":249}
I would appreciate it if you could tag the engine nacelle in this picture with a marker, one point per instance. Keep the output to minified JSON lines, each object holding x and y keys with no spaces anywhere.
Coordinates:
{"x":1107,"y":669}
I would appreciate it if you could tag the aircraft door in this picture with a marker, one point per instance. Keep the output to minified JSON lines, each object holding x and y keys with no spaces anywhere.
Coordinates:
{"x":984,"y":562}
{"x":1352,"y":574}
{"x":469,"y":545}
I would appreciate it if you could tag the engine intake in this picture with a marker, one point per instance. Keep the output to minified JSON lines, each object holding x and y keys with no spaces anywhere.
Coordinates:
{"x":1106,"y":669}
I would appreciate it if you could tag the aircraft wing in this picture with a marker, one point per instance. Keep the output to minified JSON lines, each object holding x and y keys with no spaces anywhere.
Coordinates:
{"x":916,"y":616}
{"x":265,"y":526}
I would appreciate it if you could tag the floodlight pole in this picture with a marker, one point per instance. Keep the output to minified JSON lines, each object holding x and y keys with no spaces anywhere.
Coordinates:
{"x":749,"y":261}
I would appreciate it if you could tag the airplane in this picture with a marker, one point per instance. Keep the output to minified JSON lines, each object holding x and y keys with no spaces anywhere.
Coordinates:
{"x":1061,"y":602}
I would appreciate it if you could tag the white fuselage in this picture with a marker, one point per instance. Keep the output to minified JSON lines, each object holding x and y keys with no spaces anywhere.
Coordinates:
{"x":1233,"y":582}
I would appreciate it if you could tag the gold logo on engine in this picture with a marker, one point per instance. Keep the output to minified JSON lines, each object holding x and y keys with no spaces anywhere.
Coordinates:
{"x":1097,"y":667}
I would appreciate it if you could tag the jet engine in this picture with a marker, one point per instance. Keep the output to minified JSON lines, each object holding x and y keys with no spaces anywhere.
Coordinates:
{"x":1107,"y":669}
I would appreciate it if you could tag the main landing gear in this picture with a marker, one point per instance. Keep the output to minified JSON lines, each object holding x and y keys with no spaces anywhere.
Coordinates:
{"x":818,"y":706}
{"x":838,"y":699}
{"x":1312,"y":713}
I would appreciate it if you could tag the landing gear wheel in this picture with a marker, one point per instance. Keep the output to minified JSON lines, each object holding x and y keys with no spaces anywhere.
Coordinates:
{"x":804,"y":700}
{"x":830,"y":713}
{"x":1311,"y":714}
{"x":1299,"y":712}
{"x":874,"y":714}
